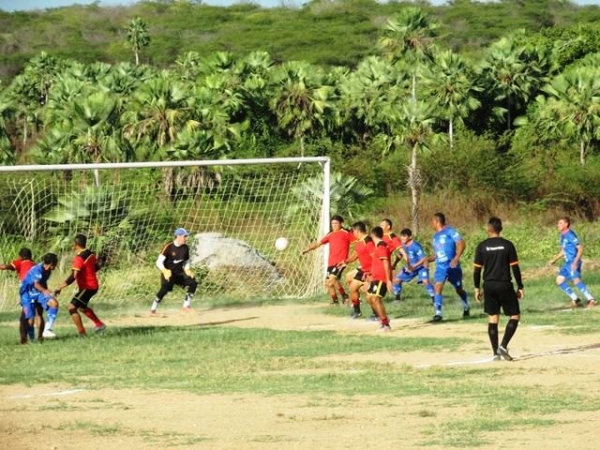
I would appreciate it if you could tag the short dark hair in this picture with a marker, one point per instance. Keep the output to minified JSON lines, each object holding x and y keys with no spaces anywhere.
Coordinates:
{"x":25,"y":253}
{"x":377,"y":232}
{"x":440,"y":217}
{"x":360,"y":226}
{"x":338,"y":218}
{"x":388,"y":221}
{"x":566,"y":219}
{"x":81,"y":240}
{"x":495,"y":224}
{"x":406,"y":232}
{"x":50,"y":258}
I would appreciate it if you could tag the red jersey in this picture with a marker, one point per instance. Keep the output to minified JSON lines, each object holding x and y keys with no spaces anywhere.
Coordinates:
{"x":392,"y":241}
{"x":84,"y":264}
{"x":381,"y":254}
{"x":339,"y":245}
{"x":22,"y":266}
{"x":364,"y":249}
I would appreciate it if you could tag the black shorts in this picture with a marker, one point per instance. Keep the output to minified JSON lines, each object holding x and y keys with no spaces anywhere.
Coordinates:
{"x":500,"y":294}
{"x":360,"y":275}
{"x":377,"y":288}
{"x":335,"y":271}
{"x":83,"y":297}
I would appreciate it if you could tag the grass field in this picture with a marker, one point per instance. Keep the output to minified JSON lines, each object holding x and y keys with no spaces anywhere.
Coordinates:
{"x":302,"y":375}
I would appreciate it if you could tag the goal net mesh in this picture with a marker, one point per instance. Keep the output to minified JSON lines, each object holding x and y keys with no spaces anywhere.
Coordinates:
{"x":234,"y":214}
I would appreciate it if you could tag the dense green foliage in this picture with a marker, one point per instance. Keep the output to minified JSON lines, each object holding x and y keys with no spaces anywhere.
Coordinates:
{"x":504,"y":95}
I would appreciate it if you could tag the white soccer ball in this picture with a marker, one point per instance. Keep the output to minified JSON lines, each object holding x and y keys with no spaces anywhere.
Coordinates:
{"x":281,"y":243}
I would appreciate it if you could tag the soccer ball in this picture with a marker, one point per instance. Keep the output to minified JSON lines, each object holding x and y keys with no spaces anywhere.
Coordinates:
{"x":281,"y":243}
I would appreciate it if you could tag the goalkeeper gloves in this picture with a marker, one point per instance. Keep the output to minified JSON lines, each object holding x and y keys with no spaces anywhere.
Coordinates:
{"x":188,"y":272}
{"x":166,"y":273}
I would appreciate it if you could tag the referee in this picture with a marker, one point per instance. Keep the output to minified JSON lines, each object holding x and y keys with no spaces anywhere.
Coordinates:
{"x":497,"y":256}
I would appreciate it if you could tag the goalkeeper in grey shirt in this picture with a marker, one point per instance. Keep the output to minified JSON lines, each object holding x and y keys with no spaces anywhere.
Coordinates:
{"x":497,"y":256}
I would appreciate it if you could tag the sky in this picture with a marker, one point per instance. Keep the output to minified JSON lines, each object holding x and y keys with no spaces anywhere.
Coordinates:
{"x":24,"y":5}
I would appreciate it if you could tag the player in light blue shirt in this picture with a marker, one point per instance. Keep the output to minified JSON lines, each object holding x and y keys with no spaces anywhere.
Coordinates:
{"x":572,"y":250}
{"x":36,"y":297}
{"x":448,"y":247}
{"x":416,"y":265}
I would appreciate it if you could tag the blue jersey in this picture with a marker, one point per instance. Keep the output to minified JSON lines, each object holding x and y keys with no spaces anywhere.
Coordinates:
{"x":444,"y":246}
{"x":414,"y":252}
{"x":569,"y":243}
{"x":27,"y":288}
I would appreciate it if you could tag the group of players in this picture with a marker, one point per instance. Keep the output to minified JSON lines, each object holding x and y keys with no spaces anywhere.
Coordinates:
{"x":374,"y":276}
{"x":495,"y":256}
{"x":36,"y":297}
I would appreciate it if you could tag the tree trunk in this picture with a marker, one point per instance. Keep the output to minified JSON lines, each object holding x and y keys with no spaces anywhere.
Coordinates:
{"x":137,"y":58}
{"x":25,"y":133}
{"x":414,"y":88}
{"x":451,"y":133}
{"x":414,"y":183}
{"x":302,"y":145}
{"x":582,"y":152}
{"x":509,"y":117}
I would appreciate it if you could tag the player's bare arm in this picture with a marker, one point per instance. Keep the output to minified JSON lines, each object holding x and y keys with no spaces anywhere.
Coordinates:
{"x":556,"y":258}
{"x":460,"y":248}
{"x":311,"y":247}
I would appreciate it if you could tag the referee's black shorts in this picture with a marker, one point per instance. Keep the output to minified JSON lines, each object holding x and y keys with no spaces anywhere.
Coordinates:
{"x":500,"y":294}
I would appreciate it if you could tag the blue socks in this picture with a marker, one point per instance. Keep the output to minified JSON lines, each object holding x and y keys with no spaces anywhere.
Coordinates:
{"x":52,"y":313}
{"x":438,"y":300}
{"x":567,"y":290}
{"x":584,"y":290}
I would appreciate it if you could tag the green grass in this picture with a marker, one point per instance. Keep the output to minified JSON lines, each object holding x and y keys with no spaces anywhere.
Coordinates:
{"x":217,"y":359}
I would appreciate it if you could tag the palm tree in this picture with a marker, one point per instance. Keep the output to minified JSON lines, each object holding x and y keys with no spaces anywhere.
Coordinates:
{"x":300,"y":100}
{"x":137,"y":36}
{"x":409,"y":36}
{"x":450,"y":82}
{"x":572,"y":111}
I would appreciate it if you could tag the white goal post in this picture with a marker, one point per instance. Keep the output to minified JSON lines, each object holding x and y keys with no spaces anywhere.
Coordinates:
{"x":233,"y":209}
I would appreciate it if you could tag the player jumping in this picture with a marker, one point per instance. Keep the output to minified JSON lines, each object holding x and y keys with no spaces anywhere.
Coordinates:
{"x":416,"y":265}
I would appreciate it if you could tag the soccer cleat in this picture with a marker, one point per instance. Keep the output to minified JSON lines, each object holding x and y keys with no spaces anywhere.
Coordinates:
{"x":355,"y":315}
{"x":48,"y":334}
{"x":437,"y":318}
{"x":153,"y":312}
{"x":591,"y":303}
{"x":496,"y":358}
{"x":373,"y":318}
{"x":334,"y":303}
{"x":384,"y":329}
{"x":503,"y":353}
{"x":100,"y":328}
{"x":187,"y":309}
{"x":576,"y":303}
{"x":466,"y":313}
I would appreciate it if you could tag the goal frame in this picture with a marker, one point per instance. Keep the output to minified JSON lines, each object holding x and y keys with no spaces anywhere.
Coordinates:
{"x":324,"y":161}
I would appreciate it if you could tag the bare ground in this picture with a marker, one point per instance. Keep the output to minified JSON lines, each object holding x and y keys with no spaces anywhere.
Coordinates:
{"x":63,"y":418}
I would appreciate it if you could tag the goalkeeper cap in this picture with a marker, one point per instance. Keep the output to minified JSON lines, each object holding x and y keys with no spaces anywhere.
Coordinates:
{"x":181,"y":232}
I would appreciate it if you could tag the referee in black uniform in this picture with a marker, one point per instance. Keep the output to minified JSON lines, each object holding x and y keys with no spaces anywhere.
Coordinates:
{"x":497,"y":256}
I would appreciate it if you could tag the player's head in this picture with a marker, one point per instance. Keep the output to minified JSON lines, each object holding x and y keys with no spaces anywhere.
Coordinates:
{"x":494,"y":225}
{"x":386,"y":225}
{"x":181,"y":235}
{"x":50,"y":261}
{"x":564,"y":223}
{"x":377,"y":233}
{"x":405,"y":235}
{"x":25,"y":253}
{"x":438,"y":220}
{"x":359,"y":227}
{"x":80,"y":241}
{"x":336,"y":222}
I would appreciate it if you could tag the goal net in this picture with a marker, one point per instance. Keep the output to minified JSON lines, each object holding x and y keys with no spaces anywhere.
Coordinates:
{"x":234,"y":210}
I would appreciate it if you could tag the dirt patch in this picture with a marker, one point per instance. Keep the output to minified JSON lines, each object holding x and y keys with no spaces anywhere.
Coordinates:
{"x":66,"y":418}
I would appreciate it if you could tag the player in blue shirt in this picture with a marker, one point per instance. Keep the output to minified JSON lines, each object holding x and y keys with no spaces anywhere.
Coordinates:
{"x":36,"y":297}
{"x":416,"y":265}
{"x":572,"y":250}
{"x":448,"y":247}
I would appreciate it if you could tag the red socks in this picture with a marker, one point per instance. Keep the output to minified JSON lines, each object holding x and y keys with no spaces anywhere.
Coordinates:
{"x":90,"y":314}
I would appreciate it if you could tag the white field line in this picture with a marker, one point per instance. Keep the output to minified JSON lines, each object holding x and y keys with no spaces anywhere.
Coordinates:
{"x":49,"y":394}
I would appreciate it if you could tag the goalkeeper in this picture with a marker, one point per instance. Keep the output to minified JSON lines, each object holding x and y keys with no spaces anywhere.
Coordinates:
{"x":174,"y":265}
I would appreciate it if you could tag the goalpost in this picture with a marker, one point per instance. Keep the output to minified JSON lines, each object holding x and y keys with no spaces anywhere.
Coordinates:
{"x":233,"y":209}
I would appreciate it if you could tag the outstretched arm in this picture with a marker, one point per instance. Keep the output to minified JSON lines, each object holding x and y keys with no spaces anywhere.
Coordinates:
{"x":311,"y":247}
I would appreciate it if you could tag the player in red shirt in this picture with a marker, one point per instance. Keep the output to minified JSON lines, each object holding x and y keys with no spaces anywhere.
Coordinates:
{"x":85,"y":266}
{"x":22,"y":265}
{"x":381,"y":277}
{"x":359,"y":278}
{"x":339,"y":240}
